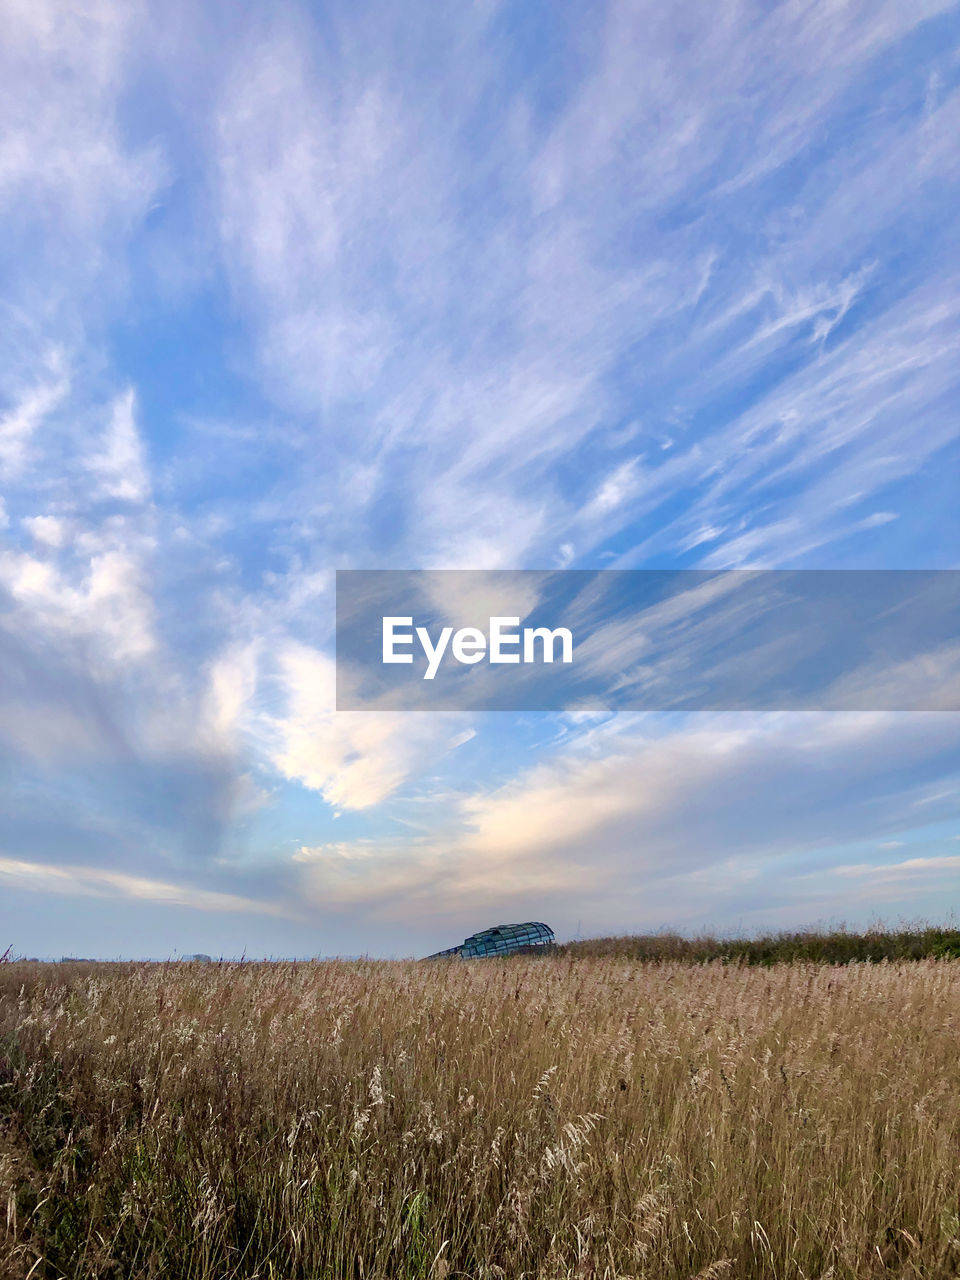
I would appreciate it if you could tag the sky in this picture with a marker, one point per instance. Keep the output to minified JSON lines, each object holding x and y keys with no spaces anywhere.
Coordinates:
{"x":291,"y":288}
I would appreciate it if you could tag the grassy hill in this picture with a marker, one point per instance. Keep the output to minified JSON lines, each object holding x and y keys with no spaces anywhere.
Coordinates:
{"x":836,"y":946}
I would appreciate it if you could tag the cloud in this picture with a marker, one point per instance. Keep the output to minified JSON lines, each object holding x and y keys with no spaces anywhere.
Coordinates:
{"x":900,"y":870}
{"x":671,"y":285}
{"x":70,"y":184}
{"x":380,"y":296}
{"x":48,"y":531}
{"x":232,"y":688}
{"x":354,"y":760}
{"x":19,"y":424}
{"x":95,"y":882}
{"x":107,"y":601}
{"x":632,"y":828}
{"x":119,"y":467}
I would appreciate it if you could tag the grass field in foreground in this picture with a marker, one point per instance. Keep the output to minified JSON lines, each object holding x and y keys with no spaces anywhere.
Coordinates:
{"x":563,"y":1117}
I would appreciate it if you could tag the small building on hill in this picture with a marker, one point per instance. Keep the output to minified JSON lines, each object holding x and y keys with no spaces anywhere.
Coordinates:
{"x":501,"y":940}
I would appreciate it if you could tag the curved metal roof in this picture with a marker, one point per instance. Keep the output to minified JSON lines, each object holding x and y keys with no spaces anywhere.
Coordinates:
{"x":501,"y":940}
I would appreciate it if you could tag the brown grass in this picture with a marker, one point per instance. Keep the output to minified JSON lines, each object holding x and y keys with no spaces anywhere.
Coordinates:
{"x":543,"y":1118}
{"x":825,"y":946}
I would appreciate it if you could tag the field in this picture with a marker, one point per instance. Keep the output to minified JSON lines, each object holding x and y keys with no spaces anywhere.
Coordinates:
{"x":579,"y":1116}
{"x":837,"y":946}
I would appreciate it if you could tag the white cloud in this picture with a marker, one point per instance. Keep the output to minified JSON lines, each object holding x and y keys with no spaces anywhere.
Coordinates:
{"x":70,"y":186}
{"x":900,"y":870}
{"x":344,"y":230}
{"x":19,"y":424}
{"x":929,"y":681}
{"x":642,"y":296}
{"x":233,"y":684}
{"x":48,"y":531}
{"x":635,"y":828}
{"x":107,"y":602}
{"x":622,"y":484}
{"x":75,"y":881}
{"x":119,"y":467}
{"x":355,"y":760}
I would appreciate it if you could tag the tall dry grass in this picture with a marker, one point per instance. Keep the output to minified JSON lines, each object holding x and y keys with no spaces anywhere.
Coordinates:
{"x":833,"y":946}
{"x":540,"y":1118}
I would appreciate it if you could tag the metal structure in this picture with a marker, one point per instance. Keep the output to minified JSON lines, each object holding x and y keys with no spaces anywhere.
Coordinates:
{"x":502,"y":940}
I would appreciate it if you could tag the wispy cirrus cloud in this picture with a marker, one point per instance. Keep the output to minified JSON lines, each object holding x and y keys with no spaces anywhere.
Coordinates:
{"x":482,"y":288}
{"x":74,"y":881}
{"x":619,"y":209}
{"x":71,"y":183}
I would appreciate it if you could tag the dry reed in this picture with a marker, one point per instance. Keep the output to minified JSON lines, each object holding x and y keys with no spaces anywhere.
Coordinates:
{"x":521,"y":1118}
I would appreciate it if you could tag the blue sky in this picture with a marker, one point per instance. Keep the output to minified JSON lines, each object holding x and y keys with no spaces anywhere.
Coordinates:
{"x":293,"y":288}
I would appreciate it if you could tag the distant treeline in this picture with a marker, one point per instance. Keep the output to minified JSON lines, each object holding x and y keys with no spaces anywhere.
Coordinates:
{"x":836,"y":946}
